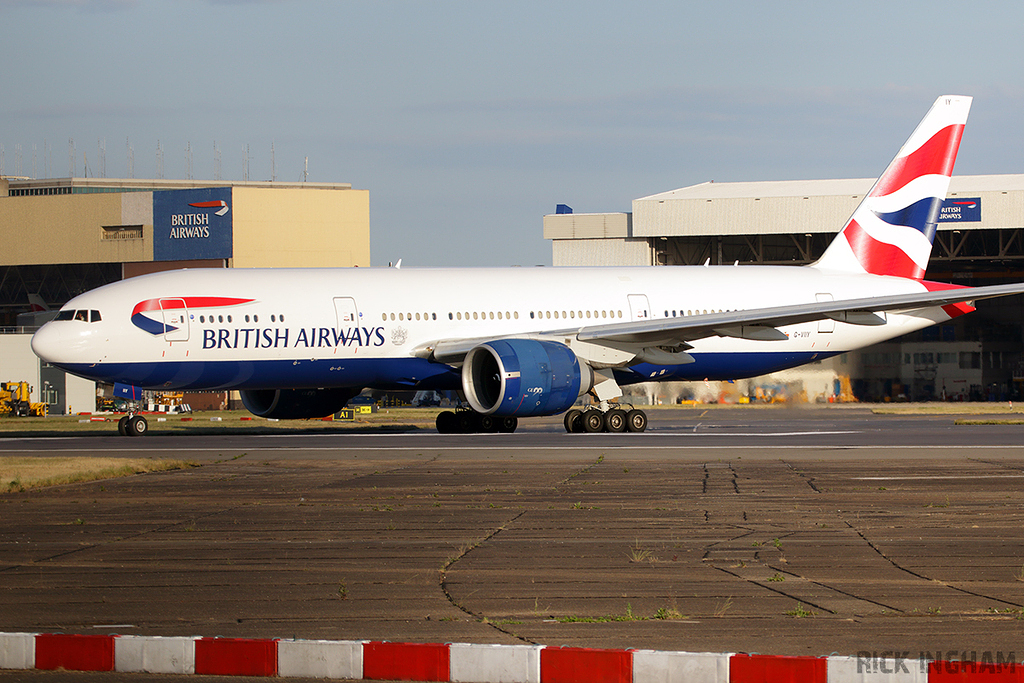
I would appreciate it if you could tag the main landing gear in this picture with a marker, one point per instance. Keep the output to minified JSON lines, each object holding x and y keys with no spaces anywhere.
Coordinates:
{"x":466,"y":421}
{"x":132,"y":425}
{"x":594,"y":420}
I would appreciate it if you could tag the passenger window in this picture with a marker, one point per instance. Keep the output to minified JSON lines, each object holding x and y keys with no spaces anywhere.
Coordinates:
{"x":220,"y":318}
{"x":281,"y":317}
{"x":255,"y":318}
{"x":246,"y":318}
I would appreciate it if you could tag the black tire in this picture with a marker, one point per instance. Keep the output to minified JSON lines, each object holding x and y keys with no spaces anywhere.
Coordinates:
{"x":137,"y":426}
{"x":469,"y":422}
{"x":488,"y":424}
{"x":572,"y":419}
{"x":446,"y":422}
{"x":507,"y":425}
{"x":122,"y":426}
{"x":593,"y":421}
{"x":615,"y":420}
{"x":636,"y":420}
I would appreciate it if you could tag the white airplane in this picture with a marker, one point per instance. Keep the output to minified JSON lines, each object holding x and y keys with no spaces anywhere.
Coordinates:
{"x":521,"y":342}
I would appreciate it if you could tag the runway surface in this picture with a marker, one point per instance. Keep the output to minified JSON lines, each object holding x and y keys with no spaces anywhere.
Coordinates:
{"x":774,"y":531}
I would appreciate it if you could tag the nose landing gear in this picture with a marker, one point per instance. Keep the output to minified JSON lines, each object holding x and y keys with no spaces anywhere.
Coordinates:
{"x":132,"y":425}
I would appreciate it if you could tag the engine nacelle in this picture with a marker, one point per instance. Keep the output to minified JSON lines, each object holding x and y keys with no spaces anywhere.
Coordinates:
{"x":295,"y":404}
{"x":523,"y":378}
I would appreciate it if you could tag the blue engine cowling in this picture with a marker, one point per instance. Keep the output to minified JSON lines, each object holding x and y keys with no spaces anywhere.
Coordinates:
{"x":523,"y":378}
{"x":296,"y":404}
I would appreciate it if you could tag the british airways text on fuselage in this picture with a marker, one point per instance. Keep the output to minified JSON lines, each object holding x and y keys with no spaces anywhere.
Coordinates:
{"x":278,"y":337}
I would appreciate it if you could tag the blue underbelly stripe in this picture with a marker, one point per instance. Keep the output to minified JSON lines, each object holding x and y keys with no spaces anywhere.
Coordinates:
{"x":399,"y":373}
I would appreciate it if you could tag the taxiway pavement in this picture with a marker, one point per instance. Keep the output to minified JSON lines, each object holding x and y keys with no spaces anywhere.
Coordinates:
{"x":773,"y":531}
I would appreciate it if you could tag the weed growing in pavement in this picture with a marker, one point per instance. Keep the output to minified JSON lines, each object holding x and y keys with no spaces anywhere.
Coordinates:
{"x":637,"y":553}
{"x":800,"y":612}
{"x":776,"y":577}
{"x":722,"y":608}
{"x":669,"y":614}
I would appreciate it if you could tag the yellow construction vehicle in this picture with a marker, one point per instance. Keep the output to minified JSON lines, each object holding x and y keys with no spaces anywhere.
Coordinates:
{"x":15,"y":400}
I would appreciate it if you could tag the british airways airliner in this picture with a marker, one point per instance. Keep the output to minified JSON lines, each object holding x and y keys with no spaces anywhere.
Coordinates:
{"x":516,"y":342}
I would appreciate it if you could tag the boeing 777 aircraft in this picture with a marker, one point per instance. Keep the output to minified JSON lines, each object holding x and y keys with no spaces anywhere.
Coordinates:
{"x":521,"y":342}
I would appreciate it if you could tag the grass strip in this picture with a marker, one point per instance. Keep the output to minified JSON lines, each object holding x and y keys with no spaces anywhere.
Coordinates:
{"x":19,"y":473}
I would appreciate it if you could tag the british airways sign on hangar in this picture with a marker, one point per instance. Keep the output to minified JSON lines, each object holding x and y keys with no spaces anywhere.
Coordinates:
{"x":192,"y":224}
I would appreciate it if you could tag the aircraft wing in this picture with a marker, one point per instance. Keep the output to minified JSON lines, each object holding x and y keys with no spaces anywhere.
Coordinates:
{"x":755,"y":324}
{"x":763,"y":323}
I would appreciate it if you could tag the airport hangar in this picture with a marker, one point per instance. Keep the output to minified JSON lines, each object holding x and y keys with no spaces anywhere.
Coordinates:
{"x":979,"y":242}
{"x":62,"y":237}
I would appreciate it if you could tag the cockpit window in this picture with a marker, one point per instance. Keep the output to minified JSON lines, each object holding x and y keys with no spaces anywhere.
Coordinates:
{"x":84,"y":316}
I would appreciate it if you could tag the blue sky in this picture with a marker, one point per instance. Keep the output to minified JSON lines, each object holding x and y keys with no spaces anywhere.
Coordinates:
{"x":468,"y":121}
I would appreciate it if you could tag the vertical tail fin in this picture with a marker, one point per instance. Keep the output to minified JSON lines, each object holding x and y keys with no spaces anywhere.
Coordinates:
{"x":892,"y":230}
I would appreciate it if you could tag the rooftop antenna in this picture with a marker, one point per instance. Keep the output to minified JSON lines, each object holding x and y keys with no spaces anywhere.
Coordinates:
{"x":188,"y":159}
{"x":71,"y":158}
{"x":131,"y":158}
{"x":305,"y":171}
{"x":103,"y":158}
{"x":159,"y":160}
{"x":216,"y":161}
{"x":245,"y":163}
{"x":273,"y":164}
{"x":35,"y":166}
{"x":85,"y":165}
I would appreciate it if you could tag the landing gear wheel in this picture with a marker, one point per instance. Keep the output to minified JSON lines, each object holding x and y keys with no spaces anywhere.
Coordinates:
{"x":615,"y":420}
{"x":507,"y":425}
{"x":636,"y":420}
{"x":137,"y":426}
{"x":572,"y":420}
{"x":487,"y":423}
{"x":122,"y":426}
{"x":593,"y":421}
{"x":446,"y":422}
{"x":469,"y":422}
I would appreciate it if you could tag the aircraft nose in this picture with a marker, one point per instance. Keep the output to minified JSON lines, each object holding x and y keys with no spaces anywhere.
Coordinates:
{"x":46,"y":343}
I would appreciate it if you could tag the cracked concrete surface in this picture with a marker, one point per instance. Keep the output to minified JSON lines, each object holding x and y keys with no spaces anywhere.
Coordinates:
{"x":740,"y":551}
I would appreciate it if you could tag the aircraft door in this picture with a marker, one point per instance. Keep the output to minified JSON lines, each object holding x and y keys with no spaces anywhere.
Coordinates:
{"x":175,"y":314}
{"x":639,"y":308}
{"x":348,"y":314}
{"x":828,"y":324}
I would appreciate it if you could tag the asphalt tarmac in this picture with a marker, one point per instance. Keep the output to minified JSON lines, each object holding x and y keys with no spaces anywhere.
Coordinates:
{"x":784,"y":531}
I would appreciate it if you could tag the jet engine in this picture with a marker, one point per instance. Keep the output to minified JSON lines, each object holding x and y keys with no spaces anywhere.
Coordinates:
{"x":523,"y":378}
{"x":295,"y":404}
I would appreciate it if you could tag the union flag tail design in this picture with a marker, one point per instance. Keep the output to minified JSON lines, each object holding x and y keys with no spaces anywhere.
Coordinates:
{"x":892,"y":230}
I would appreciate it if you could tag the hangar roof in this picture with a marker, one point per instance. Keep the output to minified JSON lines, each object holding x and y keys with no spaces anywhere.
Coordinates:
{"x":805,"y":206}
{"x":820,"y":188}
{"x":19,"y":186}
